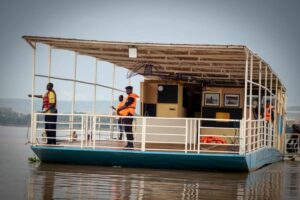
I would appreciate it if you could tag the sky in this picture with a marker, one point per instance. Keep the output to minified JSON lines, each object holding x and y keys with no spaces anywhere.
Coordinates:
{"x":270,"y":28}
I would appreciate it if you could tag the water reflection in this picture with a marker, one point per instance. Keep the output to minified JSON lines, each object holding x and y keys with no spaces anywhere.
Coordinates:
{"x":47,"y":181}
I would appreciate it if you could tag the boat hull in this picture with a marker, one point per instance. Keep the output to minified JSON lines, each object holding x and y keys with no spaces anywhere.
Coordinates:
{"x":161,"y":160}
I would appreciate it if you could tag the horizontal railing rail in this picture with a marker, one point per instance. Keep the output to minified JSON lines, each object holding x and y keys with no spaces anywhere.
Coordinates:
{"x":188,"y":135}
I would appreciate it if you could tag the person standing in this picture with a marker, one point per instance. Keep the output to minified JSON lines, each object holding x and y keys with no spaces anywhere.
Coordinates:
{"x":49,"y":107}
{"x":128,"y":109}
{"x":120,"y":123}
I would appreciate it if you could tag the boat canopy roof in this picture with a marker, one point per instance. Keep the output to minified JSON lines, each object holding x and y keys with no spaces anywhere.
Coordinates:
{"x":213,"y":64}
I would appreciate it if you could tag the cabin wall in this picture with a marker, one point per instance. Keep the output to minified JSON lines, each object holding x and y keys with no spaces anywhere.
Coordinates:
{"x":222,"y":91}
{"x":152,"y":105}
{"x":233,"y":110}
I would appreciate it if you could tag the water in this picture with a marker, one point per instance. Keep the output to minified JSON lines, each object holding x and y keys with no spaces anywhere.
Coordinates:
{"x":21,"y":180}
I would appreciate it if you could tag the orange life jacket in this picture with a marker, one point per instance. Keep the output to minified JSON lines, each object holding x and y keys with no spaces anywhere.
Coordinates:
{"x":120,"y":104}
{"x":212,"y":139}
{"x":130,"y":110}
{"x":46,"y":104}
{"x":268,"y":113}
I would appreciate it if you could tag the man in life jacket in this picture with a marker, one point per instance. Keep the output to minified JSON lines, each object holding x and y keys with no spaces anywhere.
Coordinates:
{"x":128,"y":109}
{"x":49,"y":106}
{"x":268,"y":110}
{"x":120,"y":123}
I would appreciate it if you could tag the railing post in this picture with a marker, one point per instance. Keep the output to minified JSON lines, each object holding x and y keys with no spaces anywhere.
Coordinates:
{"x":82,"y":130}
{"x":94,"y":130}
{"x":33,"y":132}
{"x":242,"y":137}
{"x":143,"y":133}
{"x":199,"y":135}
{"x":186,"y":135}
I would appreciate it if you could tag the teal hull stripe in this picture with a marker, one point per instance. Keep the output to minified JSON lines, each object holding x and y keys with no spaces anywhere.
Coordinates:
{"x":127,"y":158}
{"x":161,"y":160}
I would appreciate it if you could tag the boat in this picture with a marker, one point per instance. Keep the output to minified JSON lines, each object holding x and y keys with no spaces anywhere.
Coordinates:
{"x":192,"y":97}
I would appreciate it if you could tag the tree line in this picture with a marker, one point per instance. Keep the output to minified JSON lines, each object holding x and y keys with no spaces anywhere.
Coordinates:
{"x":8,"y":117}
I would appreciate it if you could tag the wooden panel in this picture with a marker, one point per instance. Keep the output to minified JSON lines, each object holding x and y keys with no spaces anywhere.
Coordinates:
{"x":150,"y":93}
{"x":167,"y":110}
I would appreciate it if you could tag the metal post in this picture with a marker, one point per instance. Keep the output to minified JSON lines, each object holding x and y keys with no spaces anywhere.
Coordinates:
{"x":143,"y":133}
{"x":49,"y":64}
{"x":242,"y":137}
{"x":82,"y":130}
{"x":265,"y":101}
{"x":271,"y":123}
{"x":281,"y":115}
{"x":95,"y":87}
{"x":245,"y":93}
{"x":112,"y":101}
{"x":74,"y":91}
{"x":250,"y":103}
{"x":259,"y":101}
{"x":186,"y":135}
{"x":199,"y":135}
{"x":94,"y":131}
{"x":275,"y":115}
{"x":32,"y":92}
{"x":113,"y":86}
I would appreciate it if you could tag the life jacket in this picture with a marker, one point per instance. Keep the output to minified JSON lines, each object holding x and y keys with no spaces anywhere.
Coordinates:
{"x":212,"y":139}
{"x":46,"y":104}
{"x":130,"y":110}
{"x":268,"y":113}
{"x":120,"y":104}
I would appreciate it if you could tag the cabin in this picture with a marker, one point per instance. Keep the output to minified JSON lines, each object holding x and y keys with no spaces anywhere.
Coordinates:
{"x":196,"y":102}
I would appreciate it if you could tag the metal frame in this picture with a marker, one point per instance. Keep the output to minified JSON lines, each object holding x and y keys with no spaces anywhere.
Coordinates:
{"x":246,"y":144}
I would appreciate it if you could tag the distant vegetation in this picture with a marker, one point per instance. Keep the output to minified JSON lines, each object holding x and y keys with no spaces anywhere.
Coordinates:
{"x":8,"y":117}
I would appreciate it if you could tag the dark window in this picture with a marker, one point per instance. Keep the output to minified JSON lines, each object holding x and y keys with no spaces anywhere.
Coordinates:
{"x":169,"y":94}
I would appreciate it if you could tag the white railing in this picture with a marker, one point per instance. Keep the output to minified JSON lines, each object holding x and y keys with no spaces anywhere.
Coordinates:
{"x":259,"y":134}
{"x":292,"y":138}
{"x":292,"y":144}
{"x":156,"y":134}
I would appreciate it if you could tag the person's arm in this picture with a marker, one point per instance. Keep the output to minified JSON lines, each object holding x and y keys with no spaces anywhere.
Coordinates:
{"x":127,"y":103}
{"x":37,"y":96}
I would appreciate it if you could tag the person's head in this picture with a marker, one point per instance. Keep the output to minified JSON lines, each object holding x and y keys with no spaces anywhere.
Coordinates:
{"x":121,"y":98}
{"x":268,"y":102}
{"x":49,"y":86}
{"x":129,"y":89}
{"x":254,"y":103}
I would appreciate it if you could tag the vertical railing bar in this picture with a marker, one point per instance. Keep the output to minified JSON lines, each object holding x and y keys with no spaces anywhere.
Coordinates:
{"x":186,"y":135}
{"x":265,"y":101}
{"x":143,"y":134}
{"x":82,"y":130}
{"x":271,"y":122}
{"x":199,"y":135}
{"x":246,"y":92}
{"x":94,"y":131}
{"x":194,"y":134}
{"x":252,"y":133}
{"x":32,"y":91}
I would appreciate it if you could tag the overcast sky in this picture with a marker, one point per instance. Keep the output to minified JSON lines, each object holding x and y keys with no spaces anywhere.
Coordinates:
{"x":270,"y":28}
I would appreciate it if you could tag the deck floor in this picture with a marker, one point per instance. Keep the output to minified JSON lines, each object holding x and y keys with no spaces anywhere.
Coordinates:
{"x":166,"y":147}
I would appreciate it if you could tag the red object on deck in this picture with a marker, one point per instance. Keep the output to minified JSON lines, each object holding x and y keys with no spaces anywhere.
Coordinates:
{"x":212,"y":139}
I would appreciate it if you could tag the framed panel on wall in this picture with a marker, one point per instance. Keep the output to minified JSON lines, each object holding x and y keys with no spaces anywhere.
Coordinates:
{"x":211,"y":99}
{"x":231,"y":100}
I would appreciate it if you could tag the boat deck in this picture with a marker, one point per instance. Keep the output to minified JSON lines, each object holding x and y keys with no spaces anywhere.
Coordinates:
{"x":161,"y":147}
